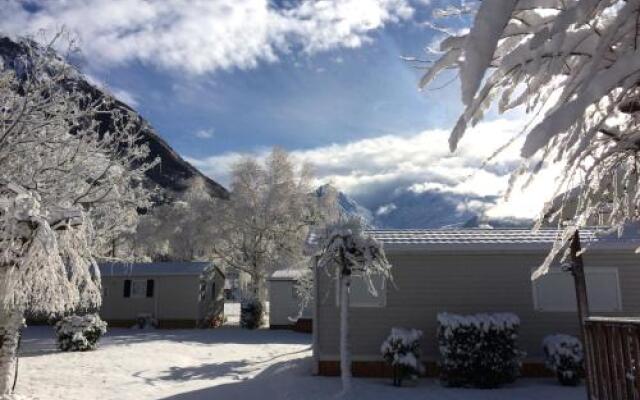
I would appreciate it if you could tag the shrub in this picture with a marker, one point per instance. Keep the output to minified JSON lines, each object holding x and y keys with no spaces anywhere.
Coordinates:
{"x":251,"y":314}
{"x":402,"y":351}
{"x":145,"y":321}
{"x":564,"y":356}
{"x":479,"y":350}
{"x":79,"y":332}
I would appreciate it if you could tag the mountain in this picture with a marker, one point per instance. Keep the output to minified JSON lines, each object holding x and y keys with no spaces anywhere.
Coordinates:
{"x":411,"y":210}
{"x":429,"y":209}
{"x":172,"y":176}
{"x":345,"y":205}
{"x":434,"y":209}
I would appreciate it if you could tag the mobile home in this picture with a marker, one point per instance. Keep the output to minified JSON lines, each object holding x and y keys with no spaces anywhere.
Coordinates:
{"x":174,"y":294}
{"x":284,"y":302}
{"x":467,"y":272}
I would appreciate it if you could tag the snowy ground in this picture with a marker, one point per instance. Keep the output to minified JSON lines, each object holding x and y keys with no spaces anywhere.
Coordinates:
{"x":226,"y":363}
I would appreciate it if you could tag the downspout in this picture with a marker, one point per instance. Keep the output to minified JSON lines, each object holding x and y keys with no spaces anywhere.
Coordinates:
{"x":316,"y":320}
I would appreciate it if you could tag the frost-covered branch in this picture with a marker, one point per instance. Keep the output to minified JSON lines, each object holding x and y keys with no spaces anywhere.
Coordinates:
{"x":575,"y":63}
{"x":69,"y":186}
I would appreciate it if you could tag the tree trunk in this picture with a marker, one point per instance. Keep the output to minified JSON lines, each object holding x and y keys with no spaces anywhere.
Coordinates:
{"x":10,"y":325}
{"x":345,"y":351}
{"x":261,"y":289}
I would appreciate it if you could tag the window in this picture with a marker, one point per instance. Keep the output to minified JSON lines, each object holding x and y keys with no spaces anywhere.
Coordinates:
{"x":203,"y":291}
{"x":138,"y":288}
{"x":360,"y":295}
{"x":555,"y":291}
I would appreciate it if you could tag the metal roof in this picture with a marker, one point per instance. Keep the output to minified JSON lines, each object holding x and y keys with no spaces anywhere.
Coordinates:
{"x":496,"y":239}
{"x":153,"y":269}
{"x":289,"y":274}
{"x":482,"y":239}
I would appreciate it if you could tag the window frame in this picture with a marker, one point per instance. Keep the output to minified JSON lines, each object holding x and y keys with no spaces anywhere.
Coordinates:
{"x":587,"y":270}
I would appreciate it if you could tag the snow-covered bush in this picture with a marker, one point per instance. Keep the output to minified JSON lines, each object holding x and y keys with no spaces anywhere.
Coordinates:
{"x":145,"y":321}
{"x":80,"y":332}
{"x":564,"y":355}
{"x":479,"y":350}
{"x":402,"y":351}
{"x":251,"y":314}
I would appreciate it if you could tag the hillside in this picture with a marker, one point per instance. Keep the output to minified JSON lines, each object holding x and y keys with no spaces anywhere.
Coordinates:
{"x":171,"y":176}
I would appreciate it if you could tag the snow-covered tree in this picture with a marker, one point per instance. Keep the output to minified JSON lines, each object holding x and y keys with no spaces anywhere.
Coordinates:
{"x":67,"y":190}
{"x":348,"y":252}
{"x":263,"y":226}
{"x":574,"y":68}
{"x":182,"y":230}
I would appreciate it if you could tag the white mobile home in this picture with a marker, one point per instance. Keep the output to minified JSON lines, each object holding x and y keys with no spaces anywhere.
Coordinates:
{"x":284,"y":303}
{"x":467,"y":272}
{"x":172,"y":293}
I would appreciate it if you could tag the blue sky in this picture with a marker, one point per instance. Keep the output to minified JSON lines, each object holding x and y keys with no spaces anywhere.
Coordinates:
{"x":300,"y":101}
{"x":323,"y":79}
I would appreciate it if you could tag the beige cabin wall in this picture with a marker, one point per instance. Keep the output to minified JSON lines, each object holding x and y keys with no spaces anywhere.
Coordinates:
{"x":175,"y":297}
{"x":429,"y":283}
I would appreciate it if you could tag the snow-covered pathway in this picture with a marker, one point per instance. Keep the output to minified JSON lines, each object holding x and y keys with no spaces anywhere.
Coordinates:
{"x":225,"y":363}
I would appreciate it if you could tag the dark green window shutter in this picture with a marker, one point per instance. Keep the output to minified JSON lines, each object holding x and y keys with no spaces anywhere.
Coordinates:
{"x":149,"y":287}
{"x":127,"y":288}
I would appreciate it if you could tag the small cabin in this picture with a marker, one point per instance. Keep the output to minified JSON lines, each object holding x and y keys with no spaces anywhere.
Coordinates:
{"x":171,"y":294}
{"x":284,"y":303}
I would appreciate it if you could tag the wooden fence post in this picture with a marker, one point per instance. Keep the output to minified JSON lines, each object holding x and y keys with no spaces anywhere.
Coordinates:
{"x":580,"y":283}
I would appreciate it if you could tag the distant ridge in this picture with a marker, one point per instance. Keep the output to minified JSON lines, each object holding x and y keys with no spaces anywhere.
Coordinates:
{"x":172,"y":176}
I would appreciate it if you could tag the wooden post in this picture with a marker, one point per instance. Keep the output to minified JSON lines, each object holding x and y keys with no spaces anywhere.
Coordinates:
{"x":580,"y":283}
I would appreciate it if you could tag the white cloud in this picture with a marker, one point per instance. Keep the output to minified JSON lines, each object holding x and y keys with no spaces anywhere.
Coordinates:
{"x":386,"y":209}
{"x":204,"y":133}
{"x":201,"y":35}
{"x":125,"y":96}
{"x":422,"y":162}
{"x":121,"y":94}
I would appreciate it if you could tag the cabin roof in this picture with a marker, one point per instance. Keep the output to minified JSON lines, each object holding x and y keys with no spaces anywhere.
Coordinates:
{"x":174,"y":268}
{"x":289,"y":274}
{"x":482,"y":239}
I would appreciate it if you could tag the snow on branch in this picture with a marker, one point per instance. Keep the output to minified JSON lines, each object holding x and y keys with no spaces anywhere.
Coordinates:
{"x":72,"y":171}
{"x":347,"y":250}
{"x":573,"y":67}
